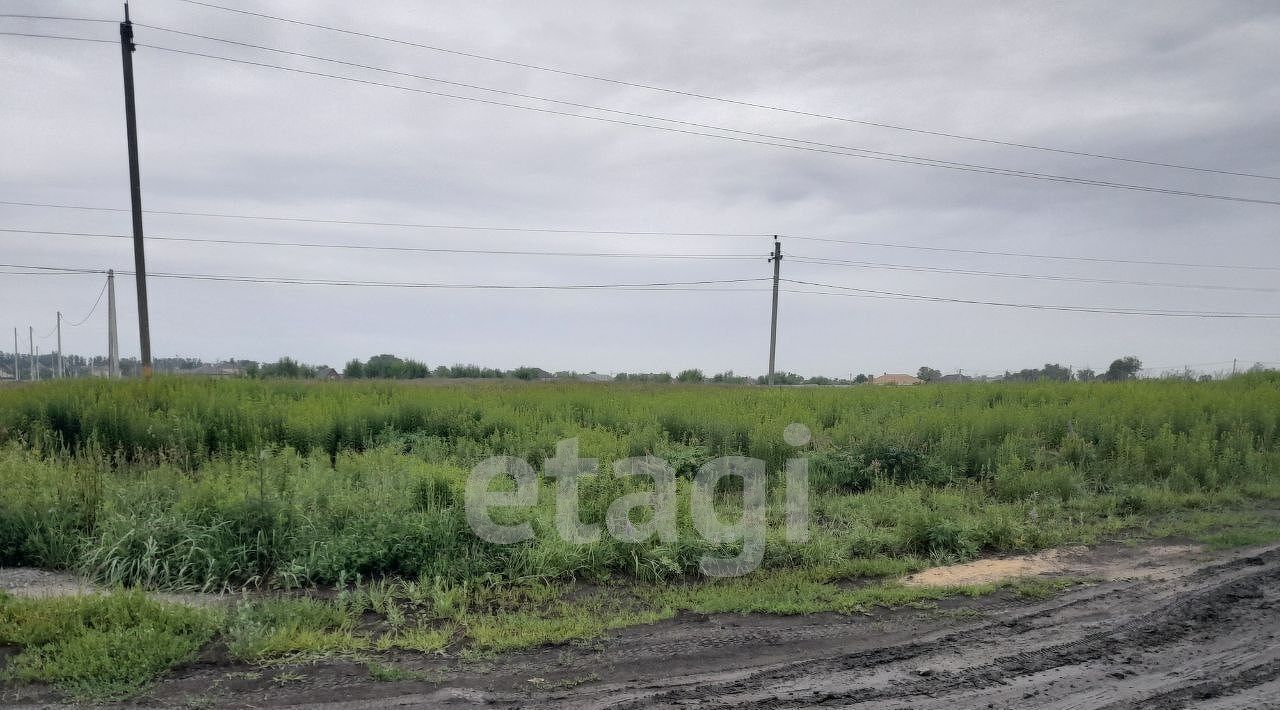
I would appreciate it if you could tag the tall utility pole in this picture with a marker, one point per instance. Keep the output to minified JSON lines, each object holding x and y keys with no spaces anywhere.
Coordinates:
{"x":31,"y":352}
{"x":135,"y":188}
{"x":773,"y":324}
{"x":59,"y":370}
{"x":17,"y":375}
{"x":113,"y":344}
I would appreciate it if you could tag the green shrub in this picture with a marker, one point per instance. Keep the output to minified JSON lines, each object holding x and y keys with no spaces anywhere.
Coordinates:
{"x":838,"y":470}
{"x":934,"y":533}
{"x":1059,"y":483}
{"x":99,"y":646}
{"x":273,"y":628}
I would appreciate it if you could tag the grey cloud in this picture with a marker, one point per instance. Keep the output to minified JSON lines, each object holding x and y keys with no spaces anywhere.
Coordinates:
{"x":1184,"y":82}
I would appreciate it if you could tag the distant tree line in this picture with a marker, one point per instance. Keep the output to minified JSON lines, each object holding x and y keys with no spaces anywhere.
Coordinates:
{"x":392,"y":367}
{"x":694,"y":376}
{"x":1121,"y":370}
{"x":386,"y":367}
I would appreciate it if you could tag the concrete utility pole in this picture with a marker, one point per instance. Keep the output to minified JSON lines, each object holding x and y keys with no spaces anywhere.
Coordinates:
{"x":113,"y":344}
{"x":773,"y":324}
{"x":135,"y":188}
{"x":16,"y":357}
{"x":31,"y":352}
{"x":59,"y":370}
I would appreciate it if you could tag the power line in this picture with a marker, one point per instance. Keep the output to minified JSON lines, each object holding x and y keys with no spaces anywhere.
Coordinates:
{"x":1208,"y":364}
{"x":55,"y":269}
{"x":1029,"y":255}
{"x":736,"y":102}
{"x":49,"y":36}
{"x":286,"y":280}
{"x":655,"y":286}
{"x":1037,"y":277}
{"x":408,"y":225}
{"x":856,"y":151}
{"x":1157,"y":368}
{"x":871,"y":294}
{"x":845,"y":151}
{"x":89,"y":315}
{"x":16,"y":16}
{"x":377,"y":247}
{"x":728,"y":257}
{"x":1035,"y":306}
{"x":37,"y":273}
{"x":547,"y":230}
{"x":837,"y":290}
{"x":60,"y":271}
{"x":808,"y":146}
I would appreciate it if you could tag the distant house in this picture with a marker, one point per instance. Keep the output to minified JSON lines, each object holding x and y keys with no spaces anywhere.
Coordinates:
{"x":889,"y":379}
{"x":5,"y":373}
{"x":213,"y":370}
{"x":324,"y":372}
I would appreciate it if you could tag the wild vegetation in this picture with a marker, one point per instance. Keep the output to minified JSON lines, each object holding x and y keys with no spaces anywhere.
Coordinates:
{"x":198,"y":484}
{"x":185,"y":484}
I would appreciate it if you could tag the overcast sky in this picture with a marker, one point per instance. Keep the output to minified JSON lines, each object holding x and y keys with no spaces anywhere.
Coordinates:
{"x":1177,"y":82}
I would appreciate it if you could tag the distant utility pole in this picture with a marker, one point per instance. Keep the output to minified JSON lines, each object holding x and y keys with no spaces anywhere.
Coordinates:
{"x":113,"y":344}
{"x":59,"y":370}
{"x":31,"y":352}
{"x":1234,"y":362}
{"x":16,"y":357}
{"x":135,"y":188}
{"x":773,"y":324}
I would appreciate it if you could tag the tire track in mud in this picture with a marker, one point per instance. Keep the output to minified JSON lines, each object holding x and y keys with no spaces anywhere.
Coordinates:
{"x":1146,"y":633}
{"x":1224,"y":602}
{"x":1201,"y":637}
{"x":1179,"y":698}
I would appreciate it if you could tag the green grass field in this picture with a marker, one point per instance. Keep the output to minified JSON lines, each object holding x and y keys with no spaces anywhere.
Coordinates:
{"x":195,"y":485}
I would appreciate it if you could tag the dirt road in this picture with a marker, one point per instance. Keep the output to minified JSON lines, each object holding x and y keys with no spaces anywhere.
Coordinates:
{"x":1174,"y":627}
{"x":1190,"y":633}
{"x":1207,"y":640}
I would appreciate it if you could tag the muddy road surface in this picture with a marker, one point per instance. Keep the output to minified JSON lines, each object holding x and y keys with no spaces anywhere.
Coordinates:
{"x":1207,"y":639}
{"x":1187,"y":632}
{"x":1184,"y":630}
